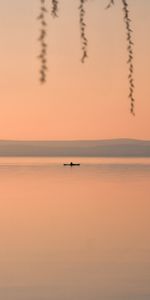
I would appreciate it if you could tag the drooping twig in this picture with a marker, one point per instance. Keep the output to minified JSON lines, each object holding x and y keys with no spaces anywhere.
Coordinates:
{"x":42,"y":39}
{"x":54,"y":10}
{"x":111,"y":2}
{"x":130,"y":54}
{"x":84,"y":40}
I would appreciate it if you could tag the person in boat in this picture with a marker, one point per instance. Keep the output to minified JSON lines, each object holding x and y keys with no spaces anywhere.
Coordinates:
{"x":71,"y":164}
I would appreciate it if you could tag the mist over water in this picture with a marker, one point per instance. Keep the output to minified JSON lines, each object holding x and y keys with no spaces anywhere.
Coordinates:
{"x":74,"y":233}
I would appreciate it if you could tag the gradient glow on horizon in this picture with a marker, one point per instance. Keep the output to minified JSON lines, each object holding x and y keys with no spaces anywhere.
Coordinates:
{"x":78,"y":101}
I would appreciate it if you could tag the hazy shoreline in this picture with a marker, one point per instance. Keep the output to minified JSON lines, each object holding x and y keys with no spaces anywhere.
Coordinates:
{"x":87,"y":148}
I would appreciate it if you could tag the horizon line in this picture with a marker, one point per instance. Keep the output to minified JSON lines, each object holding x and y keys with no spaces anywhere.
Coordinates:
{"x":74,"y":140}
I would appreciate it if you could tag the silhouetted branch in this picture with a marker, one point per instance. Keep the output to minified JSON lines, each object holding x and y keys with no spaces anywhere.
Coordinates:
{"x":84,"y":40}
{"x":111,"y":2}
{"x":42,"y":39}
{"x":130,"y":51}
{"x":130,"y":54}
{"x":54,"y":10}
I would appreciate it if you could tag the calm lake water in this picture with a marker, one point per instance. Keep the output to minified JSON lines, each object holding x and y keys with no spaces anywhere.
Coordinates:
{"x":80,"y":233}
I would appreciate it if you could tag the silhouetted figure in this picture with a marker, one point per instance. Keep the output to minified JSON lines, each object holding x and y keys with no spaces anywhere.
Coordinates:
{"x":71,"y":164}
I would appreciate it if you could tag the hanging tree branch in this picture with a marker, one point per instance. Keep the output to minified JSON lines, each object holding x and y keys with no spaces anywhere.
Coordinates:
{"x":42,"y":39}
{"x":130,"y":54}
{"x":127,"y":21}
{"x":54,"y":10}
{"x":84,"y":40}
{"x":111,"y":2}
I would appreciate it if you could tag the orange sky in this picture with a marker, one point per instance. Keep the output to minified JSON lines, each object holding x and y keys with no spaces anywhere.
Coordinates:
{"x":78,"y":101}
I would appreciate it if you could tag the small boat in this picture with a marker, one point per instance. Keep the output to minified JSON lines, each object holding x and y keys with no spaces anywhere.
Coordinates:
{"x":71,"y":164}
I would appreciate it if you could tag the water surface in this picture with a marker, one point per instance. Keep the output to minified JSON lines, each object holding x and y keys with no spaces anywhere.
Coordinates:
{"x":79,"y":233}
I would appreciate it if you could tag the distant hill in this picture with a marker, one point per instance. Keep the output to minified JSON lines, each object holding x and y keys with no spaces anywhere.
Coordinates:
{"x":101,"y":148}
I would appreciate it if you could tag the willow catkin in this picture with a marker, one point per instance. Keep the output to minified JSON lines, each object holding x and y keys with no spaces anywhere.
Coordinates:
{"x":84,"y":40}
{"x":42,"y":40}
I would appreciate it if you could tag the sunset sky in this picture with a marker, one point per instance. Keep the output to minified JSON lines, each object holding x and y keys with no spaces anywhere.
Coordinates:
{"x":78,"y":101}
